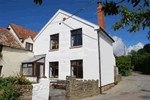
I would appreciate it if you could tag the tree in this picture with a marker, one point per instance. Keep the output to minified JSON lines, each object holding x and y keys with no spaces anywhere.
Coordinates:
{"x":137,"y":18}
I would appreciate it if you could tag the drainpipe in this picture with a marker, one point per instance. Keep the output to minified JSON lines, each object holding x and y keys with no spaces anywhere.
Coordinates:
{"x":99,"y":61}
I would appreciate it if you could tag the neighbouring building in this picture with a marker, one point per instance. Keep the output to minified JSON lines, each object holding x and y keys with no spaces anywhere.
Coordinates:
{"x":16,"y":45}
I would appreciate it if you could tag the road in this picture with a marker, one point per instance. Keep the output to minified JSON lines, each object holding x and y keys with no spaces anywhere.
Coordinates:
{"x":135,"y":87}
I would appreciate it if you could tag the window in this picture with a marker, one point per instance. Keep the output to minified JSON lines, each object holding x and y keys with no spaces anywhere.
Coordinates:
{"x":54,"y":41}
{"x":77,"y":68}
{"x":29,"y":46}
{"x":53,"y":69}
{"x":28,"y":69}
{"x":76,"y":36}
{"x":0,"y":69}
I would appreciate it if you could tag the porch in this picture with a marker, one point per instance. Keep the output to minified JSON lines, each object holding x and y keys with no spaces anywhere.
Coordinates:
{"x":34,"y":68}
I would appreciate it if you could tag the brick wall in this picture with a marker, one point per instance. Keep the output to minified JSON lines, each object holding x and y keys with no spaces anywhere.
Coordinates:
{"x":118,"y":78}
{"x":77,"y":89}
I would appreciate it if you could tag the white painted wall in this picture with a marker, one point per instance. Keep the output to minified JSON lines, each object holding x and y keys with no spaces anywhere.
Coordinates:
{"x":41,"y":90}
{"x":32,"y":79}
{"x":12,"y":59}
{"x":29,"y":40}
{"x":107,"y":60}
{"x":88,"y":52}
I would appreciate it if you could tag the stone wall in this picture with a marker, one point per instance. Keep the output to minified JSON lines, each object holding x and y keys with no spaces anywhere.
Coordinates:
{"x":25,"y":92}
{"x":107,"y":87}
{"x":118,"y":78}
{"x":77,"y":89}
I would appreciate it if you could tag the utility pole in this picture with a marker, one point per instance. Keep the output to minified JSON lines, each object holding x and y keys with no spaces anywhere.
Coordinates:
{"x":124,"y":51}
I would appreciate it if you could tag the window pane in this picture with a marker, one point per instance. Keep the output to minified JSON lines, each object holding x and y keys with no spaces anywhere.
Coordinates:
{"x":79,"y":39}
{"x":79,"y":31}
{"x":79,"y":62}
{"x":31,"y":47}
{"x":73,"y":32}
{"x":56,"y":71}
{"x":73,"y":62}
{"x":24,"y":65}
{"x":41,"y":70}
{"x":29,"y":65}
{"x":54,"y":41}
{"x":74,"y":40}
{"x":80,"y":72}
{"x":27,"y":71}
{"x":74,"y":71}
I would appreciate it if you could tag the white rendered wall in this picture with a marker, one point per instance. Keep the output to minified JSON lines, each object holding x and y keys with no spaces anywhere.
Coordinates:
{"x":32,"y":79}
{"x":12,"y":60}
{"x":88,"y":52}
{"x":107,"y":60}
{"x":41,"y":90}
{"x":29,"y":40}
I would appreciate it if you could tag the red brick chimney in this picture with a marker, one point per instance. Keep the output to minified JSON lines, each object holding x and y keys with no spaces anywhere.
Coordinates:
{"x":101,"y":16}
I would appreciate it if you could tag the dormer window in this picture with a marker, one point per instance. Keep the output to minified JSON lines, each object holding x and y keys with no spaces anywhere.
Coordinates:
{"x":29,"y":46}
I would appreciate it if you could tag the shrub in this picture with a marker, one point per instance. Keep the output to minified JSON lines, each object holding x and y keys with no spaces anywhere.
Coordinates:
{"x":20,"y":79}
{"x":116,"y":82}
{"x":10,"y":93}
{"x":124,"y":64}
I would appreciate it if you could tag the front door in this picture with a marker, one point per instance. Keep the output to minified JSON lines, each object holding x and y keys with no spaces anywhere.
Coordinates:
{"x":40,"y":70}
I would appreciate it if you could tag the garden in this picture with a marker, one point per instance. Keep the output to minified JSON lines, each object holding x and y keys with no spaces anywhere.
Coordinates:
{"x":14,"y":88}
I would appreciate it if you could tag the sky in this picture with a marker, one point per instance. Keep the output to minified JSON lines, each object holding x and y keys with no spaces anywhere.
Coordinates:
{"x":27,"y":14}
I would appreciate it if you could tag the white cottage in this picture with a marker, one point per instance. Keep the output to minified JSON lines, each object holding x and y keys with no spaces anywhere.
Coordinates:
{"x":74,"y":46}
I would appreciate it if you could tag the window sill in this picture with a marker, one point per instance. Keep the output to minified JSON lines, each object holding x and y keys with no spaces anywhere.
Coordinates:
{"x":53,"y":50}
{"x":79,"y":46}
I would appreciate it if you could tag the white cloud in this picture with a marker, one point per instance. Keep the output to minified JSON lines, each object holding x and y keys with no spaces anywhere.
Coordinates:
{"x":118,"y":46}
{"x":135,"y":47}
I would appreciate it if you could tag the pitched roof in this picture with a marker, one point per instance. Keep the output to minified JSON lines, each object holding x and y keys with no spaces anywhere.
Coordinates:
{"x":23,"y":33}
{"x":7,"y":39}
{"x":74,"y":17}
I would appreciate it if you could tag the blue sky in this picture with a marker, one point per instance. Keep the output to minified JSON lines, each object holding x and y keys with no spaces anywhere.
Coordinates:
{"x":27,"y":14}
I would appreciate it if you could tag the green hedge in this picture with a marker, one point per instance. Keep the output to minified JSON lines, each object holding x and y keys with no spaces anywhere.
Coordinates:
{"x":124,"y":64}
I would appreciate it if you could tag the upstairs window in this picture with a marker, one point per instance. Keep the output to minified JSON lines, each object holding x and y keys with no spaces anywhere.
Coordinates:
{"x":54,"y":41}
{"x":76,"y":36}
{"x":29,"y":46}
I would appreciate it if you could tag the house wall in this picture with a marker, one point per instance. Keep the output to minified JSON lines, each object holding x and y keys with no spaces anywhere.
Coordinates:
{"x":107,"y":60}
{"x":29,"y":40}
{"x":12,"y":58}
{"x":88,"y":52}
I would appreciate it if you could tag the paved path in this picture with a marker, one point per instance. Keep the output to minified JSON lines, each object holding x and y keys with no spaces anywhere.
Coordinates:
{"x":135,"y":87}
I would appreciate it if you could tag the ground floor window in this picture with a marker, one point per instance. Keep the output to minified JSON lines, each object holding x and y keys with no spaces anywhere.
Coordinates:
{"x":0,"y":69}
{"x":28,"y":69}
{"x":53,"y":73}
{"x":77,"y":68}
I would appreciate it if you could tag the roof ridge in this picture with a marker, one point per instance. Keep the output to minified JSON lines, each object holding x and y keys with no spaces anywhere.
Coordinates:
{"x":23,"y":27}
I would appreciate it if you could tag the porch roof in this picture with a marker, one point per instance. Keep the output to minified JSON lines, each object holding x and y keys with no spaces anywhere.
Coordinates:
{"x":36,"y":58}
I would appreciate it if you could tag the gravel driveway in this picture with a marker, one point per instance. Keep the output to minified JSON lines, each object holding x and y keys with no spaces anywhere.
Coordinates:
{"x":135,"y":87}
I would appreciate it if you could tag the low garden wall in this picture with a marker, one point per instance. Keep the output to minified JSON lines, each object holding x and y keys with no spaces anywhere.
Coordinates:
{"x":25,"y":92}
{"x":77,"y":89}
{"x":118,"y":78}
{"x":41,"y":90}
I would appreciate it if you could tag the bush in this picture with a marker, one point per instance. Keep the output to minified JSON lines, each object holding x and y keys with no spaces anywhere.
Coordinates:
{"x":124,"y":64}
{"x":10,"y":93}
{"x":116,"y":82}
